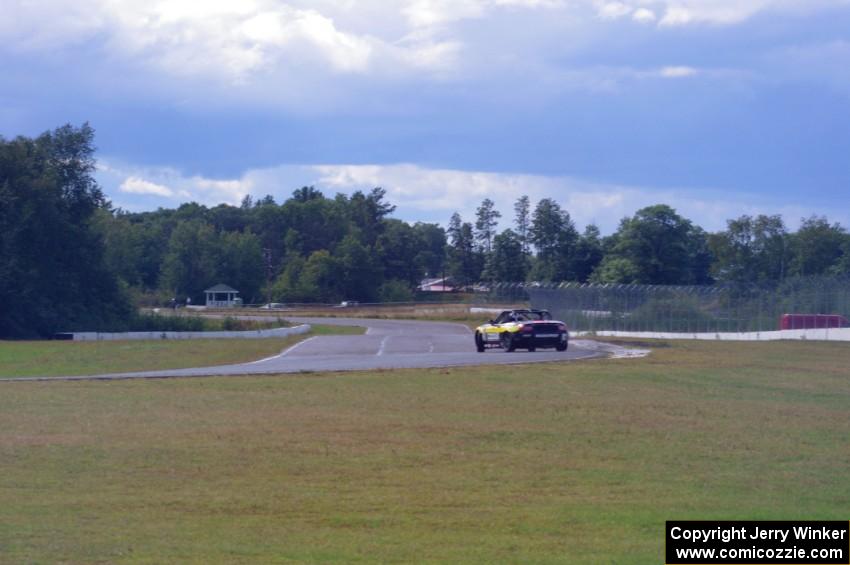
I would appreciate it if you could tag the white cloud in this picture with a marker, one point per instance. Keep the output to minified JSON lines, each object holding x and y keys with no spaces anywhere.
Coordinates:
{"x":235,"y":39}
{"x":136,"y":185}
{"x":420,"y":191}
{"x":305,"y":54}
{"x":124,"y":182}
{"x":710,"y":12}
{"x":613,"y":10}
{"x":423,"y":193}
{"x":428,"y":194}
{"x":677,"y":72}
{"x":216,"y":38}
{"x":615,"y":80}
{"x":429,"y":13}
{"x":644,"y":16}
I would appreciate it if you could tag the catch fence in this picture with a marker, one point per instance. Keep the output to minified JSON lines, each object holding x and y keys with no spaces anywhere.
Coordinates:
{"x":824,"y":302}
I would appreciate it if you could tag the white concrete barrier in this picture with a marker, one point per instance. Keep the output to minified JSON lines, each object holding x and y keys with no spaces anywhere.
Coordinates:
{"x":825,"y":334}
{"x":250,"y":334}
{"x":476,"y":310}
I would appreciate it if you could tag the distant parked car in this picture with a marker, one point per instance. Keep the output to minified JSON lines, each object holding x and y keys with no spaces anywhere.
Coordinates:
{"x":348,"y":303}
{"x":272,"y":306}
{"x":527,"y":329}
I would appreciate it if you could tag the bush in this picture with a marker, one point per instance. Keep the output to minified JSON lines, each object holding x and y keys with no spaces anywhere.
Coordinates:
{"x":395,"y":291}
{"x":157,"y":323}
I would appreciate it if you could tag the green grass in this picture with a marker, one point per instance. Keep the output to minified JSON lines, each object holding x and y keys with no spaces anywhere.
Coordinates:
{"x":562,"y":463}
{"x":68,"y":358}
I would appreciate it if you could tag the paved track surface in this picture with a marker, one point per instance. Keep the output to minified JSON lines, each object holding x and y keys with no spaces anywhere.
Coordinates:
{"x":387,"y":344}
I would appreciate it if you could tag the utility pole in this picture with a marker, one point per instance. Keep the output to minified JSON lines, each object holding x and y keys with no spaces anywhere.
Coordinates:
{"x":267,"y":255}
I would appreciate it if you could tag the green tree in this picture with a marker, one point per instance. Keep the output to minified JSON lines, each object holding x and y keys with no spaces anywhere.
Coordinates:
{"x":306,"y":194}
{"x":190,"y":264}
{"x":700,"y":257}
{"x":464,"y":265}
{"x":655,"y":246}
{"x":398,"y":248}
{"x":587,"y":254}
{"x":320,"y":278}
{"x":395,"y":290}
{"x":367,"y":212}
{"x":240,"y":264}
{"x":431,"y":248}
{"x":320,"y":223}
{"x":228,"y":218}
{"x":508,"y":262}
{"x":554,"y":235}
{"x":53,"y":273}
{"x":522,"y":221}
{"x":286,"y":288}
{"x":842,"y":267}
{"x":486,"y":220}
{"x":359,"y":271}
{"x":123,"y":242}
{"x":750,"y":250}
{"x":817,"y":247}
{"x":616,"y":269}
{"x":270,"y":224}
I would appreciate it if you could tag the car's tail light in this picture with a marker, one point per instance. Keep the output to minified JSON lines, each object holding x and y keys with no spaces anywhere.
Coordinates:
{"x":562,"y":327}
{"x":527,"y":329}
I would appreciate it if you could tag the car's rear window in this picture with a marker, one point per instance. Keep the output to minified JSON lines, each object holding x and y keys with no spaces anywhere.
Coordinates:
{"x":532,"y":316}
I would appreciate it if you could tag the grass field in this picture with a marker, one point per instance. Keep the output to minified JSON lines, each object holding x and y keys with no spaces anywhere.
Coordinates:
{"x":568,"y":463}
{"x":68,"y":358}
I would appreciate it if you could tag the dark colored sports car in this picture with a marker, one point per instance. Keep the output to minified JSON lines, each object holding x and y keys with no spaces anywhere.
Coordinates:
{"x":528,"y":329}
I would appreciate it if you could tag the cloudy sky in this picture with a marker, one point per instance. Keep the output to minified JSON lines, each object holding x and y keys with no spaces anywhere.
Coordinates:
{"x":717,"y":107}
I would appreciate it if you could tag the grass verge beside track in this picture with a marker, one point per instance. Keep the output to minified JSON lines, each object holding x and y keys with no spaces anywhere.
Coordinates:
{"x":560,"y":463}
{"x":69,"y":358}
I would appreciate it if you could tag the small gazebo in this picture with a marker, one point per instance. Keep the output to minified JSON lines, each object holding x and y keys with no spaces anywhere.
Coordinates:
{"x":221,"y":296}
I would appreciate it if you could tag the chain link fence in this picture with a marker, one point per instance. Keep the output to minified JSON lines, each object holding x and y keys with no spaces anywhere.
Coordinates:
{"x":686,"y":309}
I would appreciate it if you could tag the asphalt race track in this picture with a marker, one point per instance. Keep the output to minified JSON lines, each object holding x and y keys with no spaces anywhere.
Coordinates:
{"x":387,"y":344}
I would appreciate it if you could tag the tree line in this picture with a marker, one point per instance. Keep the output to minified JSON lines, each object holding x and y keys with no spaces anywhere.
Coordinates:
{"x":69,"y":259}
{"x":654,"y":246}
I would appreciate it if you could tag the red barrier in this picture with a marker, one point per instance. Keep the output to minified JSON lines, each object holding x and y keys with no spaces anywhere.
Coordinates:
{"x":812,"y":321}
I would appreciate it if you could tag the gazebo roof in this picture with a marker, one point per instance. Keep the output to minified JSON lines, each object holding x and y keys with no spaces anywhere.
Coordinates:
{"x":221,"y":288}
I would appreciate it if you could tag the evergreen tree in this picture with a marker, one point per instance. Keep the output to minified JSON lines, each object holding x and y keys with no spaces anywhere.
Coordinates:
{"x":554,"y":235}
{"x":486,"y":220}
{"x":464,"y":265}
{"x":522,"y":209}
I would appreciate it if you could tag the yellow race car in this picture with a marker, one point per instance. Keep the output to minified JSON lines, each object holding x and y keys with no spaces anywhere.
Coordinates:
{"x":528,"y":329}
